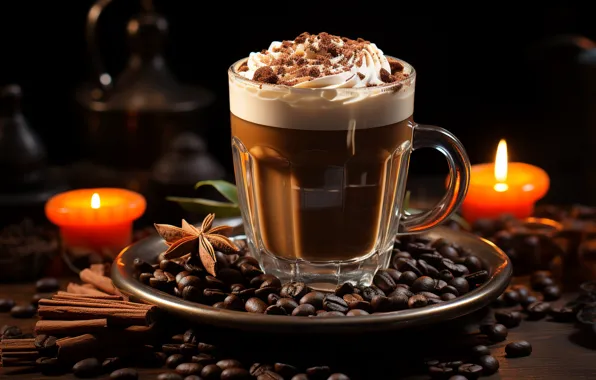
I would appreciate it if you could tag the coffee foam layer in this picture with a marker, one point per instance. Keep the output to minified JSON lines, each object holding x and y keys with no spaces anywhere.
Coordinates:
{"x":320,"y":109}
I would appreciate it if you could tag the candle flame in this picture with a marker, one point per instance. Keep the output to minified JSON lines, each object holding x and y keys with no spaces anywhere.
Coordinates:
{"x":501,"y":167}
{"x":95,"y":201}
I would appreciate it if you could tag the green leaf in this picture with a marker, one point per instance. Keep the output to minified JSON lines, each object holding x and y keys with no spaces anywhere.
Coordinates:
{"x":207,"y":206}
{"x":225,"y":188}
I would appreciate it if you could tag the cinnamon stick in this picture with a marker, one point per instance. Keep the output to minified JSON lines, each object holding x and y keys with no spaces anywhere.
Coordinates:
{"x":102,"y":283}
{"x":115,"y":316}
{"x":8,"y":345}
{"x":103,"y":296}
{"x":88,"y":286}
{"x":58,"y":328}
{"x":100,"y":269}
{"x":25,"y":355}
{"x":79,"y":289}
{"x":16,"y":362}
{"x":105,"y":304}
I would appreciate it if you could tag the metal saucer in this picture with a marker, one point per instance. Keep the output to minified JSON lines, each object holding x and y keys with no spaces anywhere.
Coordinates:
{"x":148,"y":249}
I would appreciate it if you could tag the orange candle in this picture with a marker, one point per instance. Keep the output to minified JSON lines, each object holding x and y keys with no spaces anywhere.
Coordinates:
{"x":503,"y":188}
{"x":95,"y":220}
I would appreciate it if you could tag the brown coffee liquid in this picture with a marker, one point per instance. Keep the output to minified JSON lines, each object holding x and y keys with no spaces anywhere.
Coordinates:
{"x":320,"y":195}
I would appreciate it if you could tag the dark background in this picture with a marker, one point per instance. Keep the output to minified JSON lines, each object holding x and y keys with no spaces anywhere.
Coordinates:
{"x":484,"y":72}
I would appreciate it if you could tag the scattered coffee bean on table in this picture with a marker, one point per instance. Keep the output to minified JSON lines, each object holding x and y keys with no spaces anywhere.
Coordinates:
{"x":47,"y":285}
{"x":87,"y":368}
{"x":508,"y":319}
{"x":518,"y":349}
{"x":489,"y":364}
{"x":23,"y":311}
{"x":6,"y":304}
{"x":125,"y":374}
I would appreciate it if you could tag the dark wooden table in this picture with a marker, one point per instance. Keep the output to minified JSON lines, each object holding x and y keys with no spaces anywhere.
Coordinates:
{"x":560,"y":351}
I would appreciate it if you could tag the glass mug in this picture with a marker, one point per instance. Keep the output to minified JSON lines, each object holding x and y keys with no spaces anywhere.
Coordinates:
{"x":321,"y":176}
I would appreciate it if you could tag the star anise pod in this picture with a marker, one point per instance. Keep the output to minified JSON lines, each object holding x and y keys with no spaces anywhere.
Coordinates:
{"x":204,"y":241}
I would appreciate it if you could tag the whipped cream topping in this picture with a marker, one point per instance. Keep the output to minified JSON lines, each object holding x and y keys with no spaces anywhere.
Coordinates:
{"x":323,"y":61}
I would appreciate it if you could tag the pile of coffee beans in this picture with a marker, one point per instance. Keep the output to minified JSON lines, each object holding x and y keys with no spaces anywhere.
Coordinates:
{"x":423,"y":272}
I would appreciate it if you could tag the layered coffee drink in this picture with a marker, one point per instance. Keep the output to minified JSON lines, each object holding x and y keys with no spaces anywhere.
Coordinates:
{"x":322,"y":132}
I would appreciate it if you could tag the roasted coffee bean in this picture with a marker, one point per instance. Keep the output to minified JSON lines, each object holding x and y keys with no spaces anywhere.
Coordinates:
{"x":174,"y":360}
{"x":264,"y":293}
{"x":191,"y":293}
{"x":522,"y":291}
{"x":452,"y":364}
{"x":338,"y":376}
{"x":304,"y":310}
{"x":39,"y":296}
{"x":295,"y":290}
{"x":47,"y":285}
{"x":476,"y":279}
{"x":245,"y":259}
{"x":214,"y":295}
{"x":539,"y":275}
{"x":508,"y":319}
{"x":542,"y":283}
{"x":489,"y":364}
{"x":203,"y":359}
{"x":447,"y":264}
{"x":562,"y":314}
{"x":237,"y":288}
{"x":142,"y":266}
{"x":369,"y":292}
{"x":439,"y":284}
{"x":460,"y":284}
{"x":381,"y":304}
{"x":448,"y":296}
{"x":271,"y":282}
{"x":223,"y":261}
{"x":86,"y":368}
{"x":408,"y":265}
{"x":206,"y":348}
{"x":270,"y":375}
{"x":528,"y":301}
{"x":249,"y":271}
{"x":233,"y":302}
{"x":285,"y":370}
{"x":470,"y":370}
{"x":228,"y":363}
{"x":190,"y":336}
{"x":518,"y":349}
{"x":247,"y":293}
{"x":111,"y":364}
{"x":273,"y":298}
{"x":480,"y":350}
{"x":194,"y":377}
{"x":384,"y":281}
{"x":511,"y":297}
{"x":343,"y":289}
{"x":445,"y":275}
{"x":259,"y":368}
{"x":49,"y":366}
{"x":313,"y":298}
{"x":362,"y":305}
{"x":6,"y":304}
{"x":417,"y":301}
{"x":440,"y":371}
{"x":448,"y":252}
{"x":394,"y":273}
{"x":429,"y":295}
{"x":46,"y":345}
{"x":401,"y":254}
{"x":124,"y":374}
{"x":473,"y":264}
{"x":170,"y":266}
{"x":496,"y":332}
{"x":352,"y":299}
{"x":449,"y":289}
{"x":255,"y":305}
{"x":23,"y":311}
{"x":256,"y":281}
{"x":193,"y":264}
{"x":10,"y":332}
{"x":399,"y":301}
{"x":288,"y":304}
{"x":318,"y":372}
{"x":235,"y":374}
{"x":407,"y":278}
{"x":331,"y":302}
{"x":169,"y":376}
{"x":145,"y":278}
{"x":214,"y":283}
{"x":423,"y":284}
{"x":537,"y":310}
{"x":433,"y":259}
{"x":275,"y":310}
{"x":331,"y":314}
{"x":230,"y":276}
{"x":403,"y":290}
{"x":188,"y":349}
{"x":418,"y":248}
{"x":426,"y":269}
{"x":551,"y":293}
{"x":356,"y":312}
{"x":211,"y":372}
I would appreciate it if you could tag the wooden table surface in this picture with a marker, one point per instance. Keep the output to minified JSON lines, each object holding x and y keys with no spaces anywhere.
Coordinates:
{"x":560,"y":351}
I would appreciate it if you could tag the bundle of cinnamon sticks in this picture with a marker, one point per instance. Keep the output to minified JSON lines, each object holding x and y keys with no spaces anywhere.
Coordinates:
{"x":89,"y":319}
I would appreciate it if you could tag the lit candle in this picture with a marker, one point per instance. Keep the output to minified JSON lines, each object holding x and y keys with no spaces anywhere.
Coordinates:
{"x":503,"y":188}
{"x":95,"y":220}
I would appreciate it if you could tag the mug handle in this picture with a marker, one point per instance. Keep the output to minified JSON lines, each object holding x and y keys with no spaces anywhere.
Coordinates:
{"x":429,"y":136}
